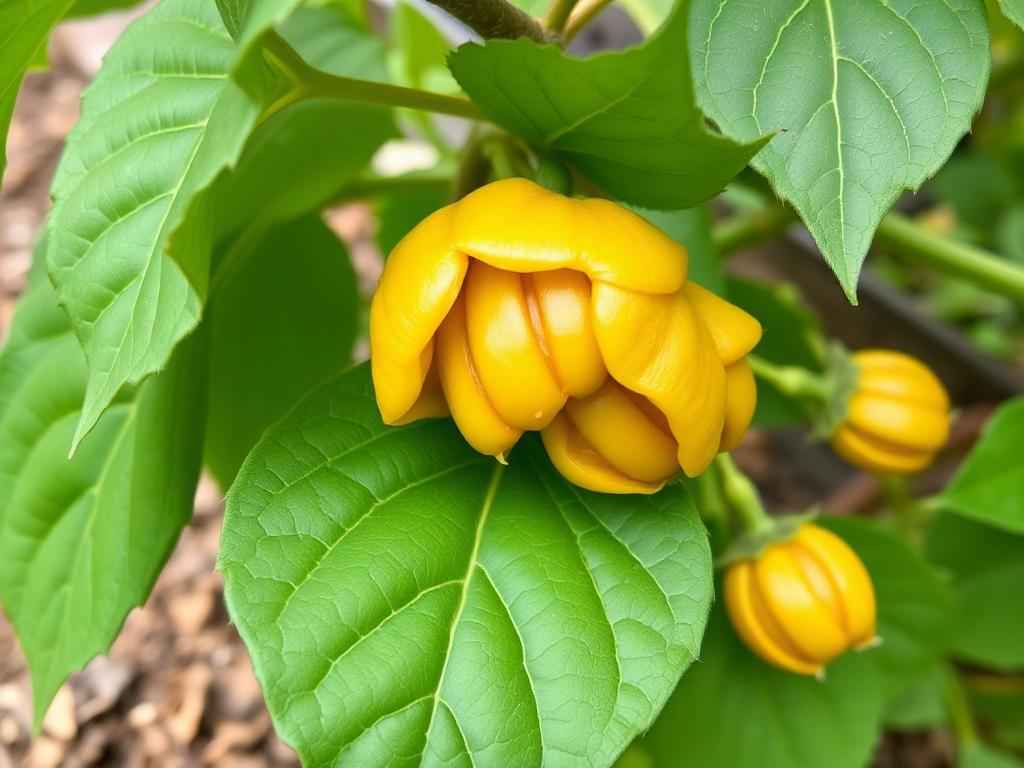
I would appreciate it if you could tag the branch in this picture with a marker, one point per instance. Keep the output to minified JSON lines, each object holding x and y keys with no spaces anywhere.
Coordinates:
{"x":496,"y":18}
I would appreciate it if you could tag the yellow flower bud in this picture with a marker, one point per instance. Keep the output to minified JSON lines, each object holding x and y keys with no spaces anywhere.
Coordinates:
{"x":517,"y":304}
{"x":897,"y":418}
{"x":802,"y":602}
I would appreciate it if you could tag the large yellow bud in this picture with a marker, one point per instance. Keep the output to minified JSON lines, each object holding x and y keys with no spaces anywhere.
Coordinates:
{"x":505,"y":306}
{"x":897,"y":417}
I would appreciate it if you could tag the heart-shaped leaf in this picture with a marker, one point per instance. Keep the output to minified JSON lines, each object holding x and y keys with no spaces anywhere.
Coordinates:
{"x":627,"y":119}
{"x":407,"y":601}
{"x":868,"y":98}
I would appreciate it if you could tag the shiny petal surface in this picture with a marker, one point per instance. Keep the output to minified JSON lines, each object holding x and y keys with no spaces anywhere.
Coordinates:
{"x":658,"y":347}
{"x":734,"y":331}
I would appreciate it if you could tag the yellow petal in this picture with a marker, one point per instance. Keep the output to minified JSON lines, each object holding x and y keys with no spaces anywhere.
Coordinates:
{"x":431,"y":403}
{"x":740,"y":403}
{"x":581,"y":465}
{"x":507,"y":349}
{"x":519,"y":226}
{"x":755,"y":625}
{"x":877,"y":455}
{"x":419,"y":285}
{"x":473,"y":412}
{"x":811,"y":625}
{"x":629,"y":434}
{"x":735,"y":332}
{"x":848,"y":579}
{"x":562,"y":299}
{"x":887,"y":372}
{"x":900,"y":422}
{"x":657,"y":346}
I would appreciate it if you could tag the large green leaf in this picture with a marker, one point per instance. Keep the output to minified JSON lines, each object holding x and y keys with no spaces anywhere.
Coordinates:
{"x":987,"y":569}
{"x":275,"y":334}
{"x":409,"y":602}
{"x":627,"y":119}
{"x":868,"y":97}
{"x":732,"y":710}
{"x":303,"y":155}
{"x":25,"y":26}
{"x":916,"y":610}
{"x":159,"y":123}
{"x":989,"y":486}
{"x":1014,"y":11}
{"x":83,"y":539}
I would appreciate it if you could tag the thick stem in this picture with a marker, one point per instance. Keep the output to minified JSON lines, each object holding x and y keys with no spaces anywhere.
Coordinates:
{"x":907,"y":240}
{"x":496,"y":18}
{"x":741,"y":496}
{"x":798,"y":383}
{"x":584,"y":13}
{"x":310,"y":83}
{"x":748,"y":229}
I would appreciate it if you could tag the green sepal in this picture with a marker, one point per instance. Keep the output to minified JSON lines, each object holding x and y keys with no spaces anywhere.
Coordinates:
{"x":749,"y":546}
{"x":841,"y":376}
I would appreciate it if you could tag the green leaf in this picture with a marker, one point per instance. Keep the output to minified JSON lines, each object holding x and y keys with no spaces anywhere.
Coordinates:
{"x":999,"y":708}
{"x":921,"y":705}
{"x":303,"y":155}
{"x":408,"y":601}
{"x":868,"y":98}
{"x":627,"y":119}
{"x":691,"y":228}
{"x":84,"y":8}
{"x":159,"y":123}
{"x":989,"y":486}
{"x":979,"y":755}
{"x":916,"y":610}
{"x":732,"y":709}
{"x":83,"y":539}
{"x":792,"y":336}
{"x":275,"y":334}
{"x":25,"y":26}
{"x":401,"y":210}
{"x":419,"y":52}
{"x":1013,"y":10}
{"x":987,"y":569}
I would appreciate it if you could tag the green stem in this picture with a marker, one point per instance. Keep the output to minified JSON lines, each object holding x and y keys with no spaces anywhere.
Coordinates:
{"x":907,"y":240}
{"x":501,"y":156}
{"x":798,"y":383}
{"x":741,"y":496}
{"x":748,"y":229}
{"x":557,"y":14}
{"x":582,"y":15}
{"x":310,"y":83}
{"x":958,"y":708}
{"x":905,"y":511}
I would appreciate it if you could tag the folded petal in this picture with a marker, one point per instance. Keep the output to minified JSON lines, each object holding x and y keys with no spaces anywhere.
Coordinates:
{"x":658,"y":347}
{"x":735,"y":332}
{"x":520,"y":226}
{"x":740,"y":402}
{"x":423,"y":276}
{"x":472,"y":410}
